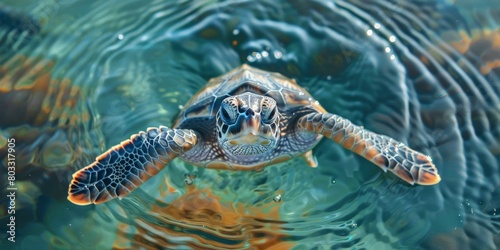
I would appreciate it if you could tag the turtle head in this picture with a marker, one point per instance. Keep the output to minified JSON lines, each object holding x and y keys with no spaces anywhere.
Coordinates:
{"x":248,"y":125}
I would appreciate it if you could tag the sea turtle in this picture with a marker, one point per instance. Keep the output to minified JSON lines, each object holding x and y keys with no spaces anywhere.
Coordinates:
{"x":244,"y":120}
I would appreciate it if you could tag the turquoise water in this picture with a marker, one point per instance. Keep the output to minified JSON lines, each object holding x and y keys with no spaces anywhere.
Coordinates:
{"x":93,"y":73}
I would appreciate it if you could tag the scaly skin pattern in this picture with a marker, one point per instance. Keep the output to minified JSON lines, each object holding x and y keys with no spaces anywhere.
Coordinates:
{"x":385,"y":152}
{"x":127,"y":165}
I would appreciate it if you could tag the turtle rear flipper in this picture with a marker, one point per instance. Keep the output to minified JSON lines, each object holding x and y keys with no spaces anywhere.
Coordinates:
{"x":127,"y":165}
{"x":385,"y":152}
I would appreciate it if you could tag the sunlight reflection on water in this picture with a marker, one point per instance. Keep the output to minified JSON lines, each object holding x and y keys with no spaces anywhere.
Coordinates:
{"x":425,"y":74}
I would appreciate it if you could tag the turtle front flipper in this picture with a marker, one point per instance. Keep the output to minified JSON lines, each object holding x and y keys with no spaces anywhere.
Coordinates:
{"x":127,"y":165}
{"x":385,"y":152}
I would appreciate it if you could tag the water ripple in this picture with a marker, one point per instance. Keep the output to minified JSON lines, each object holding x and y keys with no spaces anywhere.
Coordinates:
{"x":424,"y":72}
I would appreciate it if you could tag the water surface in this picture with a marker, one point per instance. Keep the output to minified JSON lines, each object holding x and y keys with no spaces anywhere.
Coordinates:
{"x":90,"y":74}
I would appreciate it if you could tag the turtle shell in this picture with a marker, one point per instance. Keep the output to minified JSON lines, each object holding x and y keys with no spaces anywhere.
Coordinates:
{"x":285,"y":91}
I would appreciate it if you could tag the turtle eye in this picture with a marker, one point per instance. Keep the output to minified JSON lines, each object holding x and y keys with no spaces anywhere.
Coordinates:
{"x":227,"y":114}
{"x":269,"y":115}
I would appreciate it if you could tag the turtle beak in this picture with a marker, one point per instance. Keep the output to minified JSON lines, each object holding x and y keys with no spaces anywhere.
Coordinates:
{"x":251,"y":126}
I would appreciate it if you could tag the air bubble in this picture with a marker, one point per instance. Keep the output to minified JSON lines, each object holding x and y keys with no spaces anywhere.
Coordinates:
{"x":277,"y":198}
{"x":188,"y":181}
{"x":369,"y":32}
{"x":277,"y":54}
{"x":120,"y":37}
